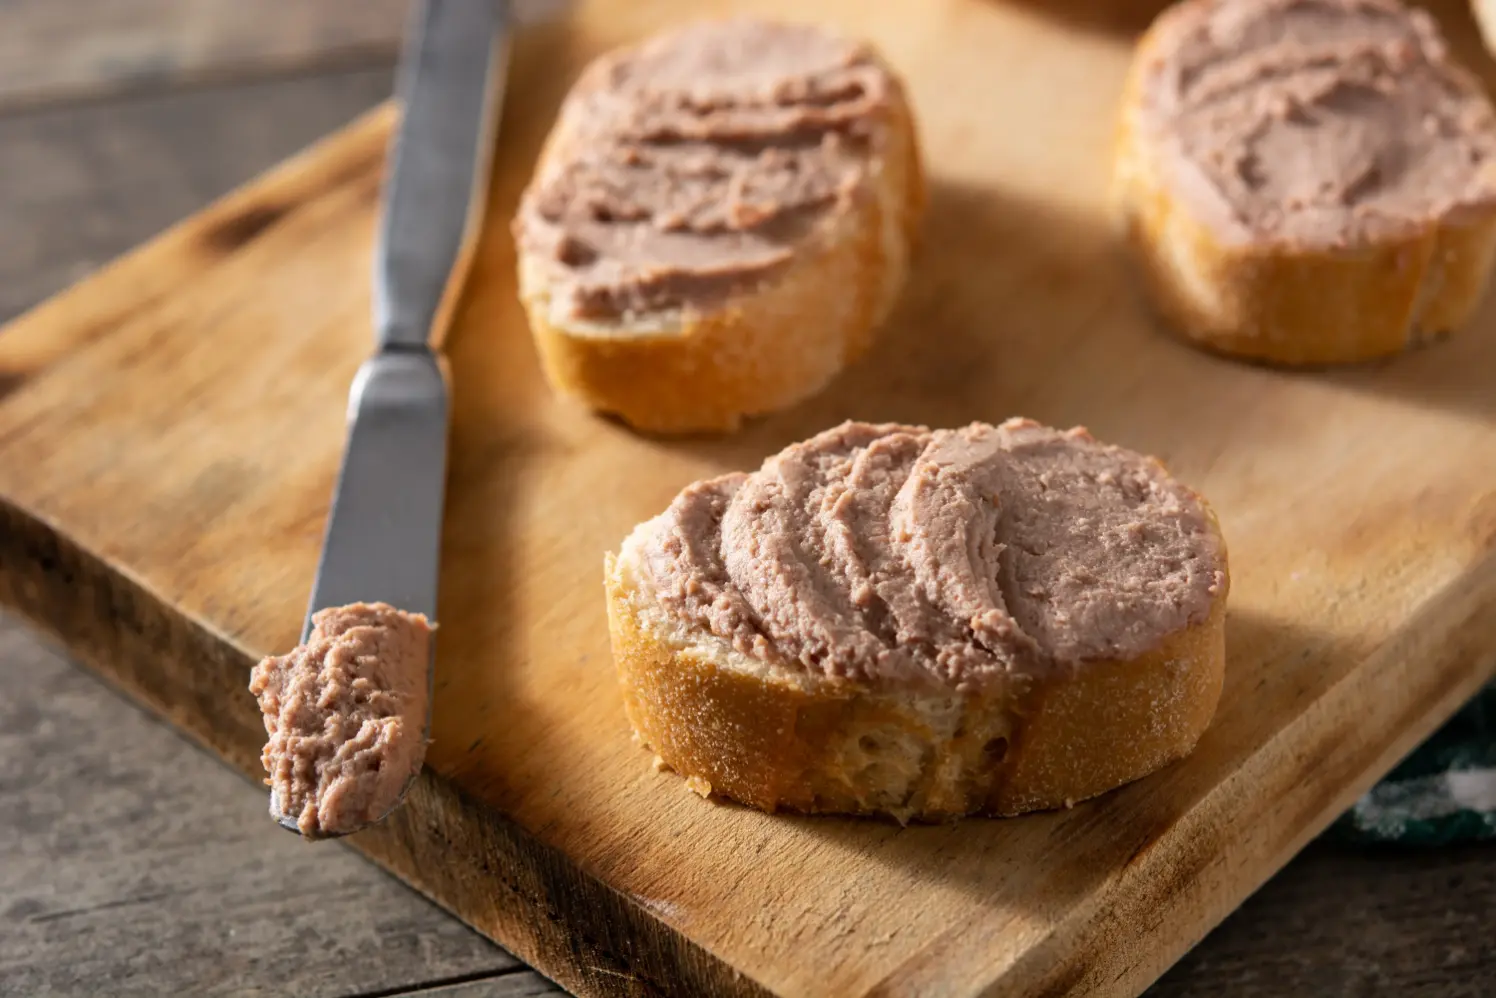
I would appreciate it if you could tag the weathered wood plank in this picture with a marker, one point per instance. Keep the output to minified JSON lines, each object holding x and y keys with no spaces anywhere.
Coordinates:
{"x":52,"y":51}
{"x":81,"y":185}
{"x":1343,"y":923}
{"x":132,"y":863}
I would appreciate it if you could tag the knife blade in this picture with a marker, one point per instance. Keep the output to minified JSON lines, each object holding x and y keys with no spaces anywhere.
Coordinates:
{"x":383,"y":535}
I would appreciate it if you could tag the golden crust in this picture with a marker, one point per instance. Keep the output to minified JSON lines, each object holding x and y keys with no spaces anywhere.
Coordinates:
{"x":821,"y":746}
{"x":762,"y":350}
{"x":1290,"y":305}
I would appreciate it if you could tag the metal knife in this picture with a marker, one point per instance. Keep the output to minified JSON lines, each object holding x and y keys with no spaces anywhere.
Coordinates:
{"x":383,"y":539}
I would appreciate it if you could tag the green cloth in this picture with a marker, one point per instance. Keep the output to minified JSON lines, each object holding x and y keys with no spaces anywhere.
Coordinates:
{"x":1444,"y":792}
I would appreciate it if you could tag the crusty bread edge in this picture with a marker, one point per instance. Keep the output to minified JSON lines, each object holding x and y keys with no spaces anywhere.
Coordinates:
{"x":762,"y":350}
{"x":778,"y":740}
{"x":1288,"y":305}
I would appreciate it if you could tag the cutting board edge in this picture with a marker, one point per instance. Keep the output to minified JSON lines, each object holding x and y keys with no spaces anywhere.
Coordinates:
{"x":1443,"y":654}
{"x":118,"y":628}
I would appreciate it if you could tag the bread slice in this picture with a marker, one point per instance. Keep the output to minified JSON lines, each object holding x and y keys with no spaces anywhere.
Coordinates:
{"x":1278,"y":301}
{"x":762,"y":348}
{"x":782,"y":738}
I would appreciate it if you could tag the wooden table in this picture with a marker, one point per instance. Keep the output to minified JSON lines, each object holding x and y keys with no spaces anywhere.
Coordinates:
{"x":131,"y":862}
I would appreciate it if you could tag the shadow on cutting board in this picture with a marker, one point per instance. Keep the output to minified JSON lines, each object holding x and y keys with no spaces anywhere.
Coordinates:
{"x":1272,"y":665}
{"x":1015,"y":307}
{"x":1012,"y":308}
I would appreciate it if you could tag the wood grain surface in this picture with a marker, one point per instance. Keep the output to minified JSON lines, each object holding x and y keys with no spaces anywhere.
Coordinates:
{"x":112,"y":609}
{"x":52,"y":52}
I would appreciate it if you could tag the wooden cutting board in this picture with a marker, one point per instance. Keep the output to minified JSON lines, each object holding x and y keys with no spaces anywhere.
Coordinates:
{"x":169,"y":433}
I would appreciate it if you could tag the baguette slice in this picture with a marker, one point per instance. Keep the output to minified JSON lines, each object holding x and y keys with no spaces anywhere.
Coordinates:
{"x":1281,"y":300}
{"x":759,"y":348}
{"x":779,"y":737}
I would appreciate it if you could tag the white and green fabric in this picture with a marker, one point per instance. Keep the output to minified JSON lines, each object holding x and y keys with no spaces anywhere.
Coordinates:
{"x":1444,"y":792}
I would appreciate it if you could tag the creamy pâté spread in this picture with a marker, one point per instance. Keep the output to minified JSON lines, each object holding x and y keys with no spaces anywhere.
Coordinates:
{"x":1322,"y":123}
{"x":894,"y":554}
{"x":699,"y":163}
{"x":346,"y":716}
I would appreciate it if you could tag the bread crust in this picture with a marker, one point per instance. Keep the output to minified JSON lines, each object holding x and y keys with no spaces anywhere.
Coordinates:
{"x":763,"y":349}
{"x":780,"y":740}
{"x":1284,"y":304}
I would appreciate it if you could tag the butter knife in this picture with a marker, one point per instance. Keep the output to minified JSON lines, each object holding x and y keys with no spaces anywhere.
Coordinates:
{"x":383,"y":537}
